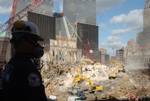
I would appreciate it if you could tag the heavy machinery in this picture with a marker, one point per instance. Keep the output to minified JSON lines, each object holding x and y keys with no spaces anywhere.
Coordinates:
{"x":92,"y":87}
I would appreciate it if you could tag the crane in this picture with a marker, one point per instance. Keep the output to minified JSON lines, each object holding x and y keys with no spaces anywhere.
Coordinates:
{"x":6,"y":27}
{"x":18,"y":16}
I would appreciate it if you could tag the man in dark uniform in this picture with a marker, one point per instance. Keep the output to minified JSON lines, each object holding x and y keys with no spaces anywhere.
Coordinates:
{"x":21,"y":79}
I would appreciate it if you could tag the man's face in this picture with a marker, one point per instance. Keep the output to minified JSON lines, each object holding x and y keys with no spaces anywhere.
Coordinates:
{"x":28,"y":46}
{"x":36,"y":48}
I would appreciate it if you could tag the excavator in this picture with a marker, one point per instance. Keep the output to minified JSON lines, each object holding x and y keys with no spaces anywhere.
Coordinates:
{"x":92,"y":87}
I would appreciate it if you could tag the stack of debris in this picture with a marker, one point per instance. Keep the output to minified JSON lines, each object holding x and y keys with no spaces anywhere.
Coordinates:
{"x":86,"y":75}
{"x":62,"y":76}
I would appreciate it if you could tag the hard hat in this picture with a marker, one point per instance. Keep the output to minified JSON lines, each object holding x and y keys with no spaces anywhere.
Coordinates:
{"x":23,"y":29}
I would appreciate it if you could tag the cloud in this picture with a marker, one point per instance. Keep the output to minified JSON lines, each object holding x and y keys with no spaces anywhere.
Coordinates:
{"x":113,"y":38}
{"x":121,"y":31}
{"x":114,"y":42}
{"x":5,"y":7}
{"x":103,"y":5}
{"x":3,"y":1}
{"x":116,"y":45}
{"x":4,"y":10}
{"x":132,"y":22}
{"x":133,"y":18}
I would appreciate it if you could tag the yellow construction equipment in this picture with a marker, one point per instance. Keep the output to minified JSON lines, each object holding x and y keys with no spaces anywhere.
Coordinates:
{"x":78,"y":78}
{"x":99,"y":88}
{"x":92,"y":87}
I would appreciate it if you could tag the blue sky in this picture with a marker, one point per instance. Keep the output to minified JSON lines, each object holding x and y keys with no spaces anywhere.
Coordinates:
{"x":118,"y":20}
{"x":58,"y":5}
{"x":4,"y":10}
{"x":120,"y":23}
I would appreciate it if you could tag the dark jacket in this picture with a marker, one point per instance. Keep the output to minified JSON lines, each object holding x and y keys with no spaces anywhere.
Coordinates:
{"x":22,"y":81}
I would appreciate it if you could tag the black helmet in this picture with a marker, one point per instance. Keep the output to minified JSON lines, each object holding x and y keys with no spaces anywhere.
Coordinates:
{"x":22,"y":29}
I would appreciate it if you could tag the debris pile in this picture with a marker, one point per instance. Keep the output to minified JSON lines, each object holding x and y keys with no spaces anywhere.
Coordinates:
{"x":97,"y":81}
{"x":62,"y":77}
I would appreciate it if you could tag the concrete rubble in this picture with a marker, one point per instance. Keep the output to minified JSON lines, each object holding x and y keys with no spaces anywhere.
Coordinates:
{"x":64,"y":80}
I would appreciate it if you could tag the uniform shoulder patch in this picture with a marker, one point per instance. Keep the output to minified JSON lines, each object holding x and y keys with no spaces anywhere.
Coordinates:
{"x":34,"y":80}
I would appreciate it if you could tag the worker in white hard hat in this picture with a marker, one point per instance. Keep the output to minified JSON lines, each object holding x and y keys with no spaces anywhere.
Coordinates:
{"x":21,"y":79}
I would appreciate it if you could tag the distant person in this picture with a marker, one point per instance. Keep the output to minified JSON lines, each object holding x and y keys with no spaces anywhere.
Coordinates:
{"x":21,"y":79}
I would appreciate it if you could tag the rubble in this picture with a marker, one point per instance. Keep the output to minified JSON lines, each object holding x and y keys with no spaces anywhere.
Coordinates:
{"x":65,"y":75}
{"x":60,"y":80}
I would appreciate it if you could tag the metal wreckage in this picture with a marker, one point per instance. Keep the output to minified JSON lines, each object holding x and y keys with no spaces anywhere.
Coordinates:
{"x":73,"y":68}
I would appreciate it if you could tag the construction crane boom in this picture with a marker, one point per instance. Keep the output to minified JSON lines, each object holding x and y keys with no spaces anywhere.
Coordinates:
{"x":8,"y":24}
{"x":6,"y":27}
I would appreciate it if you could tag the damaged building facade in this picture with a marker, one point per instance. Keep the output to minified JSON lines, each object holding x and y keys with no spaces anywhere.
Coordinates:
{"x":143,"y":37}
{"x":137,"y":52}
{"x":69,"y":34}
{"x":85,"y":25}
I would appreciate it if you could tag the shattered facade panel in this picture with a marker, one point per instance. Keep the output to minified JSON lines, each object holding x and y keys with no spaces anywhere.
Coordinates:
{"x":63,"y":51}
{"x":83,"y":11}
{"x":89,"y":39}
{"x":87,"y":33}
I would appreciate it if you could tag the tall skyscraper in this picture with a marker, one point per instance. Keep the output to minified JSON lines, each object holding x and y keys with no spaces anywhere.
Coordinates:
{"x":82,"y":11}
{"x":147,"y":3}
{"x":143,"y":37}
{"x":146,"y":26}
{"x":120,"y":55}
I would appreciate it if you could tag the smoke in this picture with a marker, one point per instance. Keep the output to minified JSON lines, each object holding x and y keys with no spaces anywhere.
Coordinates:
{"x":104,"y":5}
